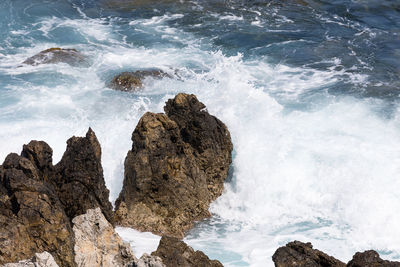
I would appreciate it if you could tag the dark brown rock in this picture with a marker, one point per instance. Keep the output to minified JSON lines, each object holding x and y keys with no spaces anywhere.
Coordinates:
{"x":38,"y":200}
{"x":174,"y":252}
{"x":133,"y":81}
{"x":32,"y":218}
{"x":370,"y":258}
{"x":58,"y":55}
{"x":301,"y":254}
{"x":79,"y":178}
{"x":177,"y":166}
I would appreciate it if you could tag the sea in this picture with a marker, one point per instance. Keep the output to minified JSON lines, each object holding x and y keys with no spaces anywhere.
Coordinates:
{"x":309,"y":90}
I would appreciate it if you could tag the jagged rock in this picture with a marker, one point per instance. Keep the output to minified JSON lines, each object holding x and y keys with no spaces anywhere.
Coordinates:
{"x":39,"y":260}
{"x":177,"y":166}
{"x":32,"y":218}
{"x":38,"y":200}
{"x":58,"y":55}
{"x":133,"y":81}
{"x":97,"y":243}
{"x":174,"y":252}
{"x":148,"y":261}
{"x":80,"y":179}
{"x":301,"y":254}
{"x":370,"y":258}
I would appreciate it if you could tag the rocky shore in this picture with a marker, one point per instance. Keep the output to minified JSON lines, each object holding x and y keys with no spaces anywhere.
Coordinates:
{"x":60,"y":215}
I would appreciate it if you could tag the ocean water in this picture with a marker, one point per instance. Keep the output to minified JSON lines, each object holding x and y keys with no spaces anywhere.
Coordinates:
{"x":309,"y":90}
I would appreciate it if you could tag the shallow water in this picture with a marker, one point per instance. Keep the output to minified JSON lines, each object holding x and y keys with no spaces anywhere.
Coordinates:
{"x":309,"y":90}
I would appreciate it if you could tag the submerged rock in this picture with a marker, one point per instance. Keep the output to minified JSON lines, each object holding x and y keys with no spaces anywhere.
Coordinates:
{"x":176,"y":168}
{"x":97,"y":243}
{"x":43,"y":259}
{"x":174,"y":252}
{"x":301,"y":254}
{"x":370,"y":258}
{"x":133,"y":81}
{"x":38,"y":200}
{"x":58,"y":55}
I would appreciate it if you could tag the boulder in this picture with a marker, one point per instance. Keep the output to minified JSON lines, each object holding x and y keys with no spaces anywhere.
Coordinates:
{"x":175,"y":169}
{"x":174,"y":252}
{"x":58,"y":55}
{"x":301,"y":254}
{"x":370,"y":258}
{"x":97,"y":243}
{"x":39,"y":260}
{"x":79,"y":177}
{"x":133,"y":81}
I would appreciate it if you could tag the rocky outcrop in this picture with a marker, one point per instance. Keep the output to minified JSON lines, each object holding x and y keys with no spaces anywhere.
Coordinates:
{"x":301,"y":254}
{"x":177,"y":166}
{"x":39,"y":200}
{"x":370,"y":258}
{"x":97,"y":243}
{"x":32,"y":218}
{"x":58,"y":55}
{"x":39,"y":260}
{"x":148,"y":261}
{"x":133,"y":81}
{"x":79,"y":177}
{"x":174,"y":252}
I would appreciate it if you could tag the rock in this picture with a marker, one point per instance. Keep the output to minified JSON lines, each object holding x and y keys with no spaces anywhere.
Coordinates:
{"x":80,"y":179}
{"x":39,"y":260}
{"x":133,"y":81}
{"x":97,"y":243}
{"x":370,"y":258}
{"x":32,"y":218}
{"x":174,"y":252}
{"x":301,"y":254}
{"x":176,"y":168}
{"x":148,"y":261}
{"x":58,"y":55}
{"x":38,"y":200}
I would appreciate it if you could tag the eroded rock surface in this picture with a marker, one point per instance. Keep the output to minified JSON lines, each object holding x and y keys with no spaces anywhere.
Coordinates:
{"x":58,"y":55}
{"x":174,"y":252}
{"x":176,"y":167}
{"x":38,"y":200}
{"x":43,"y":259}
{"x":79,"y":177}
{"x":301,"y":254}
{"x":133,"y":81}
{"x":148,"y":261}
{"x":370,"y":258}
{"x":97,"y":243}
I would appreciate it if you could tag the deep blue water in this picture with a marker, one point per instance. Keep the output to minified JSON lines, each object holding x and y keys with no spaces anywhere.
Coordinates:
{"x":309,"y":90}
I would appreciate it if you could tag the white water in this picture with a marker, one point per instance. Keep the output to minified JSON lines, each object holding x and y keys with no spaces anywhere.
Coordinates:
{"x":328,"y":173}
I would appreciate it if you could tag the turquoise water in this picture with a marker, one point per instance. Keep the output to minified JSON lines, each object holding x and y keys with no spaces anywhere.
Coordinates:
{"x":309,"y":90}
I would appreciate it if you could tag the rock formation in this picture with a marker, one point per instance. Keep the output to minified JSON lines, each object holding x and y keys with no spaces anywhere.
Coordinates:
{"x":39,"y":260}
{"x":176,"y":167}
{"x":370,"y":258}
{"x":174,"y":252}
{"x":58,"y":55}
{"x":32,"y":218}
{"x":133,"y":81}
{"x":97,"y":243}
{"x":38,"y":200}
{"x":79,"y":177}
{"x":301,"y":254}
